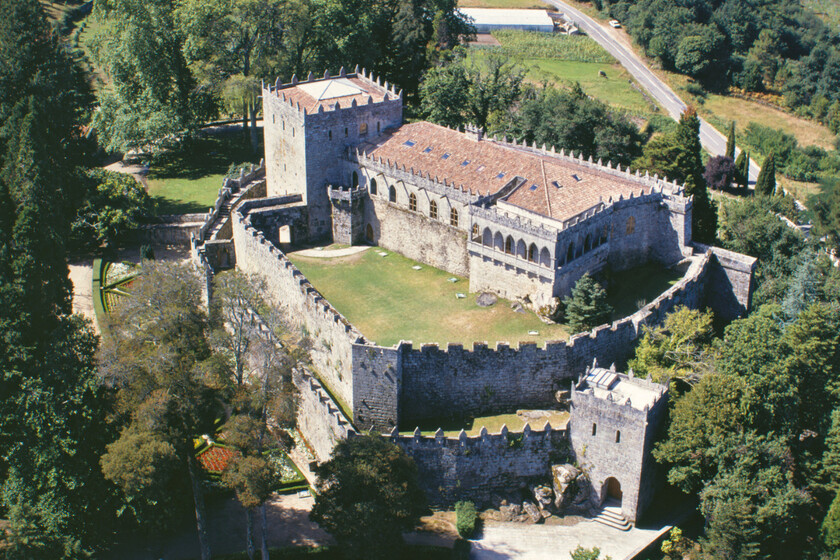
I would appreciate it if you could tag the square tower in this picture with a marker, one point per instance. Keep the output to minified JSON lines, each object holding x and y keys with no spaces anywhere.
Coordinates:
{"x":614,"y":423}
{"x":310,"y":128}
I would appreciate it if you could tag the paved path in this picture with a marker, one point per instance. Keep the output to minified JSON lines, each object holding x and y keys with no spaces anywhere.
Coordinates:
{"x":330,"y":253}
{"x":555,"y":542}
{"x":81,"y":275}
{"x":713,"y":141}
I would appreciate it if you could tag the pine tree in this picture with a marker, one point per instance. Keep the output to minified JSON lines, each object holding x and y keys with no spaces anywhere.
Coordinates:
{"x":831,"y":530}
{"x":765,"y":185}
{"x":689,"y":160}
{"x":587,"y":307}
{"x":730,"y":142}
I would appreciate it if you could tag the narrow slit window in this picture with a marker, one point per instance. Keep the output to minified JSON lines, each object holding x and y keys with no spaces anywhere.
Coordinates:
{"x":618,"y":436}
{"x":594,"y":429}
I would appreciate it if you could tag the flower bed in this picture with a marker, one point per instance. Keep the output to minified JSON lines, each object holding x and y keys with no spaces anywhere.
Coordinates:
{"x":215,"y":458}
{"x":288,"y":477}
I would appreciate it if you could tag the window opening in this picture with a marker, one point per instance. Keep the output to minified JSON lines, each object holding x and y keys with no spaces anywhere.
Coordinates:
{"x":412,"y":202}
{"x":363,"y":129}
{"x":594,"y":429}
{"x":373,"y":186}
{"x":392,"y":194}
{"x":453,"y":218}
{"x":433,"y":210}
{"x":618,"y":436}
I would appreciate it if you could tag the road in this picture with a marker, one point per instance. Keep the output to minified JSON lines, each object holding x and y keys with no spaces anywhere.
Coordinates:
{"x":713,"y":141}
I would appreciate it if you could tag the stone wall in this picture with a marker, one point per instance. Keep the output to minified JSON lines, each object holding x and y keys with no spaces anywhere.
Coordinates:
{"x":331,"y":334}
{"x":432,"y":242}
{"x":348,"y":215}
{"x":474,"y":468}
{"x":439,"y":383}
{"x":319,"y":419}
{"x":178,"y":233}
{"x":731,"y":283}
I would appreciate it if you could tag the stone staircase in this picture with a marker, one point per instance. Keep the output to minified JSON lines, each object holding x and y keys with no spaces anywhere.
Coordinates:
{"x":611,"y":516}
{"x":222,"y":217}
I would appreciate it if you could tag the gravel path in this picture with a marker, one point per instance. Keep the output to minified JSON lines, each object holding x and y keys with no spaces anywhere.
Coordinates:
{"x":330,"y":253}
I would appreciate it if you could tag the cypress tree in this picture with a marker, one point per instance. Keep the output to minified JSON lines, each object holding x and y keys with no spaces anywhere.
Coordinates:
{"x":689,"y":160}
{"x":730,"y":142}
{"x":745,"y":170}
{"x":765,"y":185}
{"x":740,"y":162}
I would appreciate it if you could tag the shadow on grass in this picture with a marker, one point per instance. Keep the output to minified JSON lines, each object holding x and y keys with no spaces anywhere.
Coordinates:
{"x":630,"y":290}
{"x":205,"y":155}
{"x":164,"y":206}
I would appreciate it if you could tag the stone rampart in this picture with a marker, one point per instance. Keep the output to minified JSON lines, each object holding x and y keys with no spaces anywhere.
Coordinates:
{"x":731,"y":283}
{"x":320,"y":420}
{"x":332,"y":335}
{"x":440,"y":383}
{"x":476,"y":467}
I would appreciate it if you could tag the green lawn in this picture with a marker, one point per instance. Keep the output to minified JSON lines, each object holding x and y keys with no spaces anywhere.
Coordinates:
{"x":614,"y":89}
{"x":389,"y":301}
{"x":514,"y":423}
{"x":188,"y":179}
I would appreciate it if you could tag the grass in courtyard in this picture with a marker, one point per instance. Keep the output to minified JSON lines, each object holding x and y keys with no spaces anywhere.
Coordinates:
{"x":514,"y":422}
{"x":188,"y":179}
{"x":523,"y":4}
{"x":389,"y":301}
{"x":632,"y":289}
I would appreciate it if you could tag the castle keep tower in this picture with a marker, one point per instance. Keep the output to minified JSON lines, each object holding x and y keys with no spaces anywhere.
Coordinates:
{"x":309,"y":128}
{"x":615,"y":420}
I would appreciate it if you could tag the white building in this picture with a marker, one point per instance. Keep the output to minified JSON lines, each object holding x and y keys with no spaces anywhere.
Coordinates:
{"x":486,"y":20}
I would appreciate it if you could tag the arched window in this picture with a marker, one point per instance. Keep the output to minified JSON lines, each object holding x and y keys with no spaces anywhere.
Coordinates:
{"x":605,"y":234}
{"x":587,"y":244}
{"x":363,"y":129}
{"x":412,"y":202}
{"x":498,"y":242}
{"x":487,"y":238}
{"x":570,"y":254}
{"x":545,"y":257}
{"x":373,"y":186}
{"x":433,"y":210}
{"x":618,"y":436}
{"x":355,"y":179}
{"x":475,"y":233}
{"x":594,"y":429}
{"x":521,"y":251}
{"x":392,"y":194}
{"x":509,"y":245}
{"x":631,"y":225}
{"x":532,"y":253}
{"x":453,"y":218}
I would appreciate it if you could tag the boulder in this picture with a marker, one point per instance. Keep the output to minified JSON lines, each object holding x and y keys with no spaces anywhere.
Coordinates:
{"x":543,"y":496}
{"x":511,"y":512}
{"x":532,"y":511}
{"x":486,"y":299}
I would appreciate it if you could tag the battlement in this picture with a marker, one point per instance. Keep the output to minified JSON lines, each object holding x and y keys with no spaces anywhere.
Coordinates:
{"x":464,"y":441}
{"x":345,"y":193}
{"x":599,"y":385}
{"x":314,"y":96}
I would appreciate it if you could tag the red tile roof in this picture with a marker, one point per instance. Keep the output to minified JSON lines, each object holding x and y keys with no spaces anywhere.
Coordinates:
{"x":553,"y":187}
{"x":298,"y":94}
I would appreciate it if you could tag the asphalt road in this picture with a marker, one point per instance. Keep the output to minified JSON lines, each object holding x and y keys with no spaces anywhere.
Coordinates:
{"x":712,"y":140}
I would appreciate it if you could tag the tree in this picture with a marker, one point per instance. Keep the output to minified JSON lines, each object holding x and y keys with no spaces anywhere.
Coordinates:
{"x":368,"y":495}
{"x":765,"y":185}
{"x":720,"y":172}
{"x":742,"y":163}
{"x":730,"y":142}
{"x":152,"y":94}
{"x":831,"y":455}
{"x":831,"y":530}
{"x":468,"y":92}
{"x":587,"y":306}
{"x":113,"y":206}
{"x":677,"y":348}
{"x":704,"y":214}
{"x":593,"y":553}
{"x":159,"y":361}
{"x":805,"y":286}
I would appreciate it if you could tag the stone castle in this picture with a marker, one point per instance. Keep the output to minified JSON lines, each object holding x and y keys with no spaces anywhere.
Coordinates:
{"x":522,"y":221}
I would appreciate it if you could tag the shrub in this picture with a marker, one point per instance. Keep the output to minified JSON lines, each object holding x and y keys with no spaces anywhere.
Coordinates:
{"x":147,"y":253}
{"x":465,"y":518}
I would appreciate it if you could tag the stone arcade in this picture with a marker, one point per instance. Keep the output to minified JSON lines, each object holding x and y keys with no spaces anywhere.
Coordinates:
{"x":522,"y":221}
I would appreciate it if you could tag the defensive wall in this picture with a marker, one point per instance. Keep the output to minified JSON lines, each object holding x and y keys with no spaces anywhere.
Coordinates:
{"x":477,"y":467}
{"x":381,"y":387}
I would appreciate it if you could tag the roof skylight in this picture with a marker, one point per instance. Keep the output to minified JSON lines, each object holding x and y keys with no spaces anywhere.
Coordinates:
{"x":445,"y":156}
{"x":427,"y":150}
{"x":410,"y":143}
{"x":465,"y":163}
{"x":533,"y":187}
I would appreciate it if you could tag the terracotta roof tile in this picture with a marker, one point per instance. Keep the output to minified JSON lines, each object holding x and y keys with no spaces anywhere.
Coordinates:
{"x":553,"y":186}
{"x":331,"y":93}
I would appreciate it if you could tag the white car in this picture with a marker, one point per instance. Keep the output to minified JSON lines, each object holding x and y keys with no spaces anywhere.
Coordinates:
{"x":614,"y":23}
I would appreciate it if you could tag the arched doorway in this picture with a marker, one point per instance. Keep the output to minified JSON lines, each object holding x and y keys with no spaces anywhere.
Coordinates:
{"x":612,"y":490}
{"x":369,"y":233}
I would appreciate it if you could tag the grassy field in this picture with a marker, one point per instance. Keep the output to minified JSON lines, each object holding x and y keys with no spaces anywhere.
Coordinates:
{"x":527,"y":44}
{"x":743,"y":112}
{"x":524,"y":4}
{"x":188,"y":179}
{"x":389,"y":301}
{"x":614,"y":89}
{"x":827,"y":10}
{"x":514,"y":423}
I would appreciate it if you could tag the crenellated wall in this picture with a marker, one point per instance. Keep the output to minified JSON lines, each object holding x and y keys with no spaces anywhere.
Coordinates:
{"x":321,"y":422}
{"x":476,"y":467}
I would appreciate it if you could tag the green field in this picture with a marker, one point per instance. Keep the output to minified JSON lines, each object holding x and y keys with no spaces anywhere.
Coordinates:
{"x":388,"y":301}
{"x":188,"y":179}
